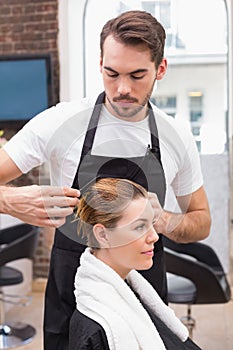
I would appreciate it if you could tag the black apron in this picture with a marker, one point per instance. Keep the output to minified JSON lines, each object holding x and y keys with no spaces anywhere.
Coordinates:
{"x":146,"y":171}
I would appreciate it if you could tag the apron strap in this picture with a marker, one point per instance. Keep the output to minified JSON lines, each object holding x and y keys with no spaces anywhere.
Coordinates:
{"x":92,"y":126}
{"x":91,"y":130}
{"x":155,"y":148}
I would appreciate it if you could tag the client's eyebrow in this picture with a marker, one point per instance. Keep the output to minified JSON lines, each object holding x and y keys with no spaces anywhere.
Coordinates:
{"x":140,"y":219}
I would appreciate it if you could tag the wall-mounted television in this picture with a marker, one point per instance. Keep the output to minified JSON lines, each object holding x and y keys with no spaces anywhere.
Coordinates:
{"x":25,"y":88}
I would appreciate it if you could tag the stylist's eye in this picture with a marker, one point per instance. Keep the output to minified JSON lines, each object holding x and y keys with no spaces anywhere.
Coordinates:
{"x":112,"y":75}
{"x":137,"y":77}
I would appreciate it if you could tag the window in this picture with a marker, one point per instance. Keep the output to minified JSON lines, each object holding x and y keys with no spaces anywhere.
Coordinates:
{"x":166,"y":103}
{"x":196,"y":53}
{"x":160,"y":9}
{"x":195,"y":113}
{"x":25,"y":88}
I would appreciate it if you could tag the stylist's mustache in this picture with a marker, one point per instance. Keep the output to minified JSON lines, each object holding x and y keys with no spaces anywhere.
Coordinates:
{"x":124,"y":98}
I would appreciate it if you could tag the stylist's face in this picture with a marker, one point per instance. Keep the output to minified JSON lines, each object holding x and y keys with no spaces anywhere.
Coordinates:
{"x":128,"y":76}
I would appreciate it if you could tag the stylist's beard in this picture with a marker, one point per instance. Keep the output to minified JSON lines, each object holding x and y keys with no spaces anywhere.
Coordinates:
{"x":130,"y":111}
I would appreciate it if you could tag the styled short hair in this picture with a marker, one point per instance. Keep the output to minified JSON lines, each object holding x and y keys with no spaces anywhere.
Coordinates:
{"x":136,"y":28}
{"x":104,"y":203}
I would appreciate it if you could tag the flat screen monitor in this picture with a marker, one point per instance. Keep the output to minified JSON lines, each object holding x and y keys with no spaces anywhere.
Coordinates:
{"x":25,"y":88}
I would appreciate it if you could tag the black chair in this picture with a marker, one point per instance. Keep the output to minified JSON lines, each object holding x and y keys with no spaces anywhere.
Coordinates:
{"x":196,"y":276}
{"x":181,"y":290}
{"x":16,"y":242}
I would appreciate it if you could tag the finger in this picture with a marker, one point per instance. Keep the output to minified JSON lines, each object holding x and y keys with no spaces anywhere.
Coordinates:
{"x":153,"y":197}
{"x":155,"y":203}
{"x":71,"y":192}
{"x":58,"y":212}
{"x":49,"y":222}
{"x":60,"y":201}
{"x":59,"y":191}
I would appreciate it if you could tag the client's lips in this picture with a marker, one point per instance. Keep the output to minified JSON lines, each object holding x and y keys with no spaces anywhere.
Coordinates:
{"x":149,"y":252}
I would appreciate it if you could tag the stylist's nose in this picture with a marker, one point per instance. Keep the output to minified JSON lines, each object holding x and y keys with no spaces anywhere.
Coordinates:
{"x":124,"y":87}
{"x":152,"y":235}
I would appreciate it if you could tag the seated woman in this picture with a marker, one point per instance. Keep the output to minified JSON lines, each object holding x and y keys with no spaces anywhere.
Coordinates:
{"x":116,"y":307}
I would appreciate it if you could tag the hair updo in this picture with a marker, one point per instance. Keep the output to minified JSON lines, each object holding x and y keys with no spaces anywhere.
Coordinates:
{"x":104,"y":202}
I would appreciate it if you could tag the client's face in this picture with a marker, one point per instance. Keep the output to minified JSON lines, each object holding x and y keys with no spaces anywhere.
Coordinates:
{"x":131,"y":243}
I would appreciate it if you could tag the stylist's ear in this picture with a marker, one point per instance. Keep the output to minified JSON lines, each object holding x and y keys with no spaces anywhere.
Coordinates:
{"x":101,"y":64}
{"x":161,"y":69}
{"x":101,"y":235}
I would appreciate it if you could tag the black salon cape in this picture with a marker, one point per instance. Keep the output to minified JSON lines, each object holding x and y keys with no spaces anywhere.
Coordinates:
{"x":86,"y":334}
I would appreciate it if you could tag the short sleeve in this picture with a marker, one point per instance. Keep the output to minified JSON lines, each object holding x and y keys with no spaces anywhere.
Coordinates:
{"x":189,"y":176}
{"x":28,"y":148}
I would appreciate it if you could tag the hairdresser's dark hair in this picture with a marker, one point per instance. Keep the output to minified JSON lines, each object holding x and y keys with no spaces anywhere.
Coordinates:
{"x":136,"y":28}
{"x":104,"y":202}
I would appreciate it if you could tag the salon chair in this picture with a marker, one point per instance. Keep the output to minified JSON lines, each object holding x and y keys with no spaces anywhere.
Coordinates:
{"x":195,"y":276}
{"x":16,"y":242}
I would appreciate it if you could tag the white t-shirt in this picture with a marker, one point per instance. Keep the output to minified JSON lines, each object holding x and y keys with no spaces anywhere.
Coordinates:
{"x":57,"y":134}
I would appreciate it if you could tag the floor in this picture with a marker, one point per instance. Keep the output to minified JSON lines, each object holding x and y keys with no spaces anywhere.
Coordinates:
{"x":214,"y":323}
{"x":32,"y":315}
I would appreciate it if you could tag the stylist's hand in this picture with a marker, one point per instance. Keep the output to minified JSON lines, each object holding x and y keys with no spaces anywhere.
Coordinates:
{"x":45,"y":206}
{"x":166,"y":222}
{"x":159,"y":224}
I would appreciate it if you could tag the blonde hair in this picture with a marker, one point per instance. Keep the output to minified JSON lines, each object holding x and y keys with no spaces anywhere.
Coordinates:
{"x":104,"y":202}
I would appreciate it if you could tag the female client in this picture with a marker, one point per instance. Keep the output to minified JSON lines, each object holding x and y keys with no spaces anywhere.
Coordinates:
{"x":116,"y":307}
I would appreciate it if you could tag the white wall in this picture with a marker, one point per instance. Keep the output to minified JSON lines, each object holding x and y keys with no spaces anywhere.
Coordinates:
{"x":71,"y":49}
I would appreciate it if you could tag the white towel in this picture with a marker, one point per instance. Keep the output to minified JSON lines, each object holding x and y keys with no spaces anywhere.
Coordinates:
{"x":102,"y":295}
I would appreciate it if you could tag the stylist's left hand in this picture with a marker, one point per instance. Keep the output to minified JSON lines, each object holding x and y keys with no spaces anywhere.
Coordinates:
{"x":159,"y":214}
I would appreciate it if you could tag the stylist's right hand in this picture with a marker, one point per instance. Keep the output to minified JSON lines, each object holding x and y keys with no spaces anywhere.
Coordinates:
{"x":45,"y":206}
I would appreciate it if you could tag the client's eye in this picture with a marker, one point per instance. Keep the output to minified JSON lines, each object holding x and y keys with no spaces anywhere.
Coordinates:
{"x":140,"y":227}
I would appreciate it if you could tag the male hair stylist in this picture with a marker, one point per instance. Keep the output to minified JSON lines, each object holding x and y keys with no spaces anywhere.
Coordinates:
{"x":122,"y":136}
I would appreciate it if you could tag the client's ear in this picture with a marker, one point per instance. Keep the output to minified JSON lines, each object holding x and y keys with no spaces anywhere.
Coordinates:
{"x":101,"y":235}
